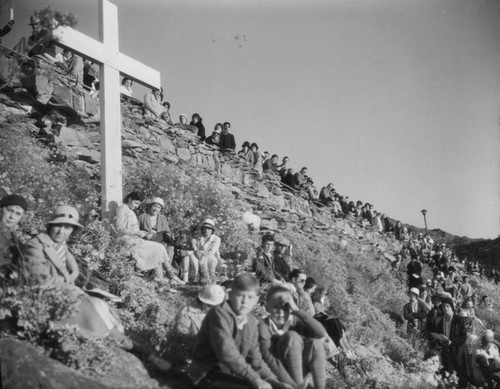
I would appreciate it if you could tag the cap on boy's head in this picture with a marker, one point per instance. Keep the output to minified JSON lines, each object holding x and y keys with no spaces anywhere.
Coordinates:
{"x":245,"y":282}
{"x":274,"y":290}
{"x":268,"y":238}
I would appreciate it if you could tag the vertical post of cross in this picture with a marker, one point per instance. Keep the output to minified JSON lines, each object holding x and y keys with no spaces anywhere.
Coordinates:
{"x":111,"y":152}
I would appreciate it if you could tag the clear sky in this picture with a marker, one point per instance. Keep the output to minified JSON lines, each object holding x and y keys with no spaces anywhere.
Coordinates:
{"x":397,"y":102}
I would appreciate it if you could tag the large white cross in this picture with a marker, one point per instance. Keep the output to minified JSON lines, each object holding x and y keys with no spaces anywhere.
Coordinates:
{"x":112,"y":63}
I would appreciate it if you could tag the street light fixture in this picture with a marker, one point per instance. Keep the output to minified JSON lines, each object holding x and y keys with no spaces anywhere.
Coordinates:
{"x":424,"y":212}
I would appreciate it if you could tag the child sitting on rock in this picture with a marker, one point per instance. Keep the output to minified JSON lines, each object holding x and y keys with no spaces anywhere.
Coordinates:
{"x":226,"y":350}
{"x":291,"y":340}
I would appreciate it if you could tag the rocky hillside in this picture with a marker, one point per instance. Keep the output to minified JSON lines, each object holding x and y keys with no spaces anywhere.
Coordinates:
{"x":49,"y":152}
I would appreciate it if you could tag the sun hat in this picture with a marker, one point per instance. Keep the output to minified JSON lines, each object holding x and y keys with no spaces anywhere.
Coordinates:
{"x":212,"y":294}
{"x":415,"y":291}
{"x":65,"y":214}
{"x":183,"y":114}
{"x":157,"y":200}
{"x":14,"y":200}
{"x":208,"y":223}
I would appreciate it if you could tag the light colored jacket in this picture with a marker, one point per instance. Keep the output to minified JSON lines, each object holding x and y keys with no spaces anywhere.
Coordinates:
{"x":43,"y":262}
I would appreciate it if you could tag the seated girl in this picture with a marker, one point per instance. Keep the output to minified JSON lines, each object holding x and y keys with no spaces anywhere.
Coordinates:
{"x":206,"y":250}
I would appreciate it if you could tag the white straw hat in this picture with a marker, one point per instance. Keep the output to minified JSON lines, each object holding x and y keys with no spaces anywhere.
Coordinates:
{"x":212,"y":294}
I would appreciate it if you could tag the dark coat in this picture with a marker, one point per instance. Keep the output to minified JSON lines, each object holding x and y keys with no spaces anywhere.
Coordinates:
{"x":227,"y":142}
{"x":201,"y":129}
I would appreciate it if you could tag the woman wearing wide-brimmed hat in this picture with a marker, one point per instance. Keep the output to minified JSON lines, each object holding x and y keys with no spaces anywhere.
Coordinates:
{"x":206,"y":250}
{"x":48,"y":261}
{"x":12,"y":210}
{"x":47,"y":255}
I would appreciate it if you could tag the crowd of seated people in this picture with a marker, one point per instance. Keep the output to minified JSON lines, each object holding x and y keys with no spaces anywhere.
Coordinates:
{"x":441,"y":312}
{"x":288,"y":349}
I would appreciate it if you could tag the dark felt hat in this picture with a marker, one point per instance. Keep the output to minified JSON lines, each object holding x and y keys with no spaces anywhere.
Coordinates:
{"x":14,"y":200}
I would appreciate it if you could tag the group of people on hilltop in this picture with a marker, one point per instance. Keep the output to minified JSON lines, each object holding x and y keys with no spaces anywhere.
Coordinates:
{"x":442,"y":312}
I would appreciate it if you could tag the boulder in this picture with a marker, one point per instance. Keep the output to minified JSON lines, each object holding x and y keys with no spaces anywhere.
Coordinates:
{"x":166,"y":144}
{"x":144,"y":132}
{"x":184,"y":154}
{"x":24,"y":367}
{"x":253,"y":221}
{"x":75,"y":137}
{"x":271,"y":224}
{"x":262,"y":191}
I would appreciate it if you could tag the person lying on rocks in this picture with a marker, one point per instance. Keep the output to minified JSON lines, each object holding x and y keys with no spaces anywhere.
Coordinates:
{"x":263,"y":265}
{"x":226,"y":350}
{"x":185,"y":259}
{"x":291,"y":341}
{"x":12,"y":210}
{"x":227,"y":143}
{"x":190,"y":317}
{"x":156,"y":225}
{"x":246,"y":154}
{"x":197,"y":122}
{"x":49,"y":261}
{"x":149,"y":255}
{"x":206,"y":250}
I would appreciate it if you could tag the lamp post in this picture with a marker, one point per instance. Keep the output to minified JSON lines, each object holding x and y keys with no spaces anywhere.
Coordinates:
{"x":424,"y":212}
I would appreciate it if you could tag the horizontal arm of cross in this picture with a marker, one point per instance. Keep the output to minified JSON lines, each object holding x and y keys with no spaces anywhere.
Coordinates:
{"x":96,"y":51}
